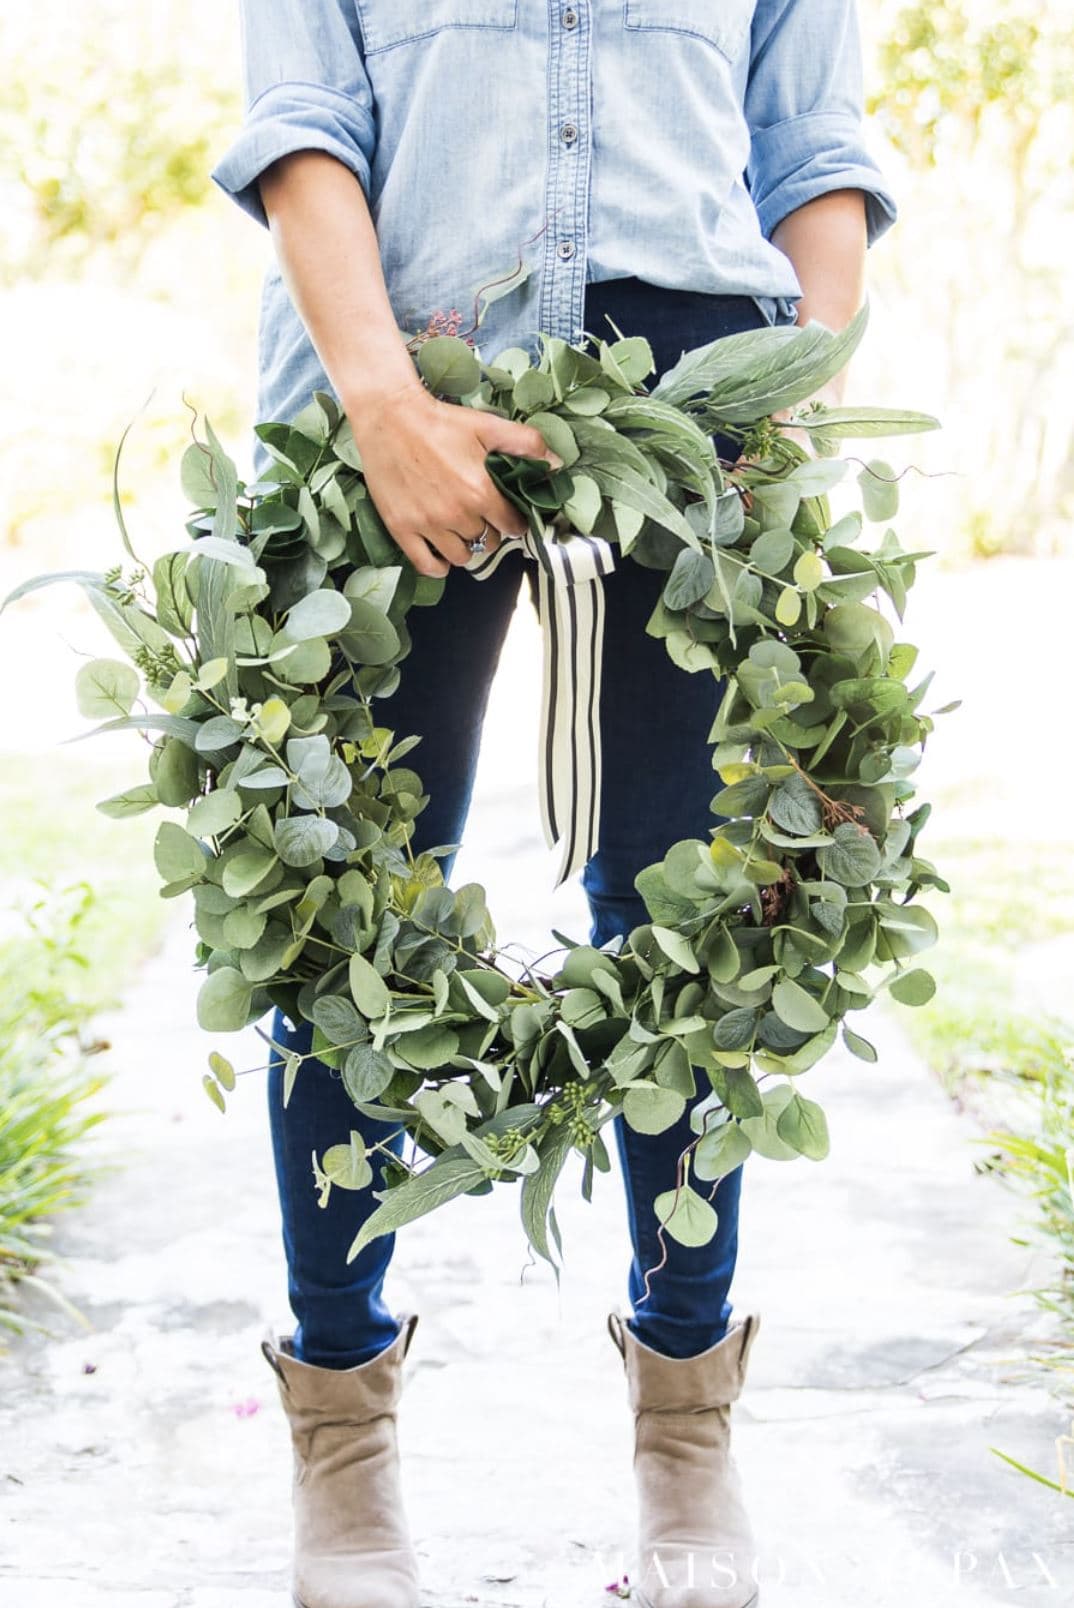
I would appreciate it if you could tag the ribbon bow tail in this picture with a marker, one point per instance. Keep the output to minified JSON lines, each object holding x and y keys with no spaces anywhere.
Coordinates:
{"x":570,"y":598}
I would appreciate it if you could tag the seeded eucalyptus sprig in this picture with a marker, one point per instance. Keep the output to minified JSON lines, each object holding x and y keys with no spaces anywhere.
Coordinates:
{"x":266,"y":641}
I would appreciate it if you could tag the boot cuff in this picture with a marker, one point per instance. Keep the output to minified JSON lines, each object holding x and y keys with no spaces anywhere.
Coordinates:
{"x":714,"y":1378}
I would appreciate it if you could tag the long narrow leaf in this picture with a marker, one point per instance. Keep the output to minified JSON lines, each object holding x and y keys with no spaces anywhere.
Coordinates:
{"x":1041,"y":1479}
{"x":416,"y":1196}
{"x":537,"y":1189}
{"x":175,"y":725}
{"x":860,"y":422}
{"x":117,"y":505}
{"x":85,"y":579}
{"x":820,"y":355}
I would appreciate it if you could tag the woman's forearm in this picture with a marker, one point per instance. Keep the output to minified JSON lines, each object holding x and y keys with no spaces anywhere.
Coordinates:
{"x":423,"y":459}
{"x":327,"y":249}
{"x":826,"y":242}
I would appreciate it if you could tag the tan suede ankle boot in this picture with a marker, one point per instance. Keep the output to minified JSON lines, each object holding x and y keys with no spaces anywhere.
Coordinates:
{"x":352,"y":1546}
{"x":695,"y":1544}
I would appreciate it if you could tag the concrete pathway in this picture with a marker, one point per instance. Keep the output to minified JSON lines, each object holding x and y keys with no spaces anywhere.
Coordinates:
{"x":144,"y":1462}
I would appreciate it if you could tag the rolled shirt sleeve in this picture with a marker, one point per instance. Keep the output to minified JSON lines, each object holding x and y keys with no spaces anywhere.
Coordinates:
{"x":306,"y":90}
{"x":804,"y":107}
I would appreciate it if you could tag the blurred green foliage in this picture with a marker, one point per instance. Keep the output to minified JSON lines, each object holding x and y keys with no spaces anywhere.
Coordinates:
{"x":108,"y":124}
{"x":68,"y":944}
{"x":950,"y":64}
{"x":46,"y":1087}
{"x":976,"y":100}
{"x":997,"y":1036}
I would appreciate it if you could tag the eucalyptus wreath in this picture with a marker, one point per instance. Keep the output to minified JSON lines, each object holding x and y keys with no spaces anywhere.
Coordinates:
{"x":266,"y":641}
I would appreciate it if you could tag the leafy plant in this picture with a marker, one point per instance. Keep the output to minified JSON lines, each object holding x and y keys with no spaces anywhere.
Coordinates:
{"x":1040,"y":1164}
{"x":266,"y":641}
{"x":45,"y":1090}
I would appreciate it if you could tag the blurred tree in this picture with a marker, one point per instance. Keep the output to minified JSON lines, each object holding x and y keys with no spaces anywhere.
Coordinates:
{"x":109,"y":119}
{"x":977,"y":95}
{"x":951,"y":65}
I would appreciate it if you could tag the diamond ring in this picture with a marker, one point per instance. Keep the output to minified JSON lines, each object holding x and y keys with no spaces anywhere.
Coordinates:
{"x":478,"y":543}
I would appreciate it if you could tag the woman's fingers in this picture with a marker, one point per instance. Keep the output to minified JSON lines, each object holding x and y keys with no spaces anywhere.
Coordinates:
{"x":512,"y":436}
{"x":429,"y":480}
{"x":502,"y":516}
{"x":424,"y":557}
{"x":450,"y":545}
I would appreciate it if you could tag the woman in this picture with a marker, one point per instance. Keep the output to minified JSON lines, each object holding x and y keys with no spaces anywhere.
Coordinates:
{"x":691,"y":168}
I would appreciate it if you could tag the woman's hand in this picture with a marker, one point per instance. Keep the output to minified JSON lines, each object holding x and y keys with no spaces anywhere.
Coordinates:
{"x":424,"y":464}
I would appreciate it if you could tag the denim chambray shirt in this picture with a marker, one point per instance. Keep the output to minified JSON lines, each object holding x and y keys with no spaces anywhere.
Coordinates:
{"x":595,"y":138}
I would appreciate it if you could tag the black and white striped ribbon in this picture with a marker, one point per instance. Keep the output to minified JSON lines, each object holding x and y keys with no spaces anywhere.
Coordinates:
{"x":570,"y":601}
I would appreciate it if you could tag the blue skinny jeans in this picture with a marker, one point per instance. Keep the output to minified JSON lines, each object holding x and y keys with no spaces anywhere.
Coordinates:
{"x":656,"y":788}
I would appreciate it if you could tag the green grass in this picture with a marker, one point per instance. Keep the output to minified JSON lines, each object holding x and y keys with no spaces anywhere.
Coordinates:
{"x":1000,"y":1051}
{"x":51,"y":834}
{"x":84,"y":910}
{"x":47,"y":1087}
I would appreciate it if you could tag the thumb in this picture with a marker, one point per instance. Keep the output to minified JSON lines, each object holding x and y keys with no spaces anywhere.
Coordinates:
{"x":513,"y":436}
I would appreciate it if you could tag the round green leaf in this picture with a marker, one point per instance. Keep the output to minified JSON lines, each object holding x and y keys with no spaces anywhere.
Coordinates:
{"x":245,"y":870}
{"x":106,"y":687}
{"x":371,"y":638}
{"x":301,"y":663}
{"x":879,"y":490}
{"x":347,"y":1165}
{"x":691,"y":576}
{"x":852,"y":858}
{"x":272,"y":720}
{"x":913,"y":987}
{"x":650,"y":1108}
{"x":302,"y":839}
{"x":676,"y":948}
{"x":367,"y":1072}
{"x":859,"y":1046}
{"x":428,"y":1049}
{"x":448,"y":366}
{"x":558,"y":435}
{"x":177,"y":854}
{"x":224,"y":1001}
{"x":803,"y":1125}
{"x":687,"y":1218}
{"x":771,"y":551}
{"x":808,"y":572}
{"x":135,"y":801}
{"x":214,"y":1091}
{"x":211,"y":674}
{"x":582,"y":1007}
{"x":318,"y":614}
{"x":797,"y":1008}
{"x":789,"y":606}
{"x":214,"y":813}
{"x":337,"y":1019}
{"x":244,"y":926}
{"x":368,"y":987}
{"x":583,"y":505}
{"x":225,"y":1072}
{"x":854,"y":628}
{"x":762,"y":1131}
{"x":796,"y":807}
{"x":743,"y":1095}
{"x":720,"y":1151}
{"x":176,"y":777}
{"x":735,"y":1030}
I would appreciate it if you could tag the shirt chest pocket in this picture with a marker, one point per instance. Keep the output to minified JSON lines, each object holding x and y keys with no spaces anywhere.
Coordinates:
{"x":723,"y":23}
{"x":396,"y":22}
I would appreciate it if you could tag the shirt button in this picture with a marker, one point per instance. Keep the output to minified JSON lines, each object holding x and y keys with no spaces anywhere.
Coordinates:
{"x":570,"y":18}
{"x":568,"y":133}
{"x":566,"y":249}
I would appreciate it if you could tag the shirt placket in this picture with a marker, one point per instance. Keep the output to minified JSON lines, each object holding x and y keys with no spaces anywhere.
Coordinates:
{"x":569,"y":145}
